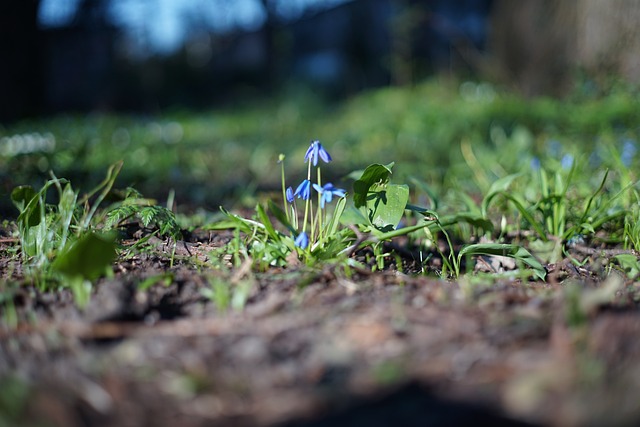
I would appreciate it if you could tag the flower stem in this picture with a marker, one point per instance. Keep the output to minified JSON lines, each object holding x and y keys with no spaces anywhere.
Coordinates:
{"x":307,"y":203}
{"x":319,"y":221}
{"x":284,"y":190}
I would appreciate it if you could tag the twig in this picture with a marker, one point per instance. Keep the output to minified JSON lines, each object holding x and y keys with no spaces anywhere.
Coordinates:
{"x":603,"y":252}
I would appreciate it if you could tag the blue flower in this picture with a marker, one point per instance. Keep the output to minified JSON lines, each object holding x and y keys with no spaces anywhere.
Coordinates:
{"x":303,"y":190}
{"x":567,"y":161}
{"x":302,"y":241}
{"x":535,"y":164}
{"x":314,"y":151}
{"x":628,"y":152}
{"x":327,"y":192}
{"x":289,"y":195}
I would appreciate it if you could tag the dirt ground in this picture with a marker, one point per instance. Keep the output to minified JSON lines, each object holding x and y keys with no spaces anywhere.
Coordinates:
{"x":319,"y":348}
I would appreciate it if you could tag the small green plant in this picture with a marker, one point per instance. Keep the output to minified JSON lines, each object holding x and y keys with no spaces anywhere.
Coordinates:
{"x":550,"y":205}
{"x":60,"y":244}
{"x":379,"y":208}
{"x":134,"y":206}
{"x":69,"y":243}
{"x":631,"y":235}
{"x":315,"y":236}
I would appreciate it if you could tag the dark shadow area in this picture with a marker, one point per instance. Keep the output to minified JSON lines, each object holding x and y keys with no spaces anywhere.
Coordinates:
{"x":412,"y":405}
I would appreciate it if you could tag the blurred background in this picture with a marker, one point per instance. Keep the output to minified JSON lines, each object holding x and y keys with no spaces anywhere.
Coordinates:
{"x":150,"y":55}
{"x":201,"y":96}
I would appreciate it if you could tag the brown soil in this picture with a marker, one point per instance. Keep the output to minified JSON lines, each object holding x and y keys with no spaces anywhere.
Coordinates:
{"x":319,"y":348}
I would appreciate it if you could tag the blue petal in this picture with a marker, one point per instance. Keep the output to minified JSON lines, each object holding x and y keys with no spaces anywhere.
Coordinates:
{"x":302,"y":241}
{"x":303,"y":190}
{"x":328,"y":196}
{"x":324,"y":155}
{"x":312,"y":153}
{"x":289,"y":195}
{"x":307,"y":155}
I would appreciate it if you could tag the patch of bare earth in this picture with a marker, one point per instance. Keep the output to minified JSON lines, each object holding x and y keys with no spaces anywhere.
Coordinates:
{"x":315,"y":348}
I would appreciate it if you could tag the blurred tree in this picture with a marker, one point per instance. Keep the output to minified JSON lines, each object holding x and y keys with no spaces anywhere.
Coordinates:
{"x":608,"y":39}
{"x":537,"y":46}
{"x":21,"y":80}
{"x":533,"y":44}
{"x":270,"y":34}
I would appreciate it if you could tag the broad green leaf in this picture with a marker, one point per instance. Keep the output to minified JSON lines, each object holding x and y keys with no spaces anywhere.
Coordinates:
{"x":375,"y":173}
{"x":352,"y":216}
{"x":88,"y":257}
{"x":629,"y":263}
{"x":513,"y":251}
{"x":385,"y":205}
{"x":22,"y":195}
{"x":27,"y":201}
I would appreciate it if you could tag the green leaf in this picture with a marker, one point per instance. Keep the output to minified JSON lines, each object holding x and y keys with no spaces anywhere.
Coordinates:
{"x":375,"y":173}
{"x":235,"y":222}
{"x":352,"y":216}
{"x":476,"y":220}
{"x":88,"y":257}
{"x":22,"y":195}
{"x":147,"y":215}
{"x":279,"y":214}
{"x":81,"y":290}
{"x":499,"y":186}
{"x":385,"y":205}
{"x":629,"y":263}
{"x":27,"y":201}
{"x":399,"y":232}
{"x":513,"y":251}
{"x":264,"y":218}
{"x":523,"y":211}
{"x":332,"y":227}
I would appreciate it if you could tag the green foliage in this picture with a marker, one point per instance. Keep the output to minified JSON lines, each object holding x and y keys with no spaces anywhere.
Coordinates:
{"x":422,"y":127}
{"x":631,"y":235}
{"x":557,"y":205}
{"x":468,"y":149}
{"x":134,"y":206}
{"x":381,"y":203}
{"x":59,"y":243}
